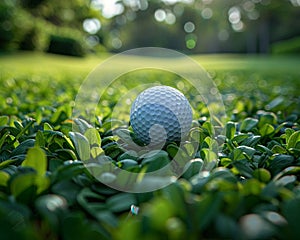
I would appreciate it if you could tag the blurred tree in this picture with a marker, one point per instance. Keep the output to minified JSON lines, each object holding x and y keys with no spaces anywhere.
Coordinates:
{"x":26,"y":23}
{"x":203,"y":25}
{"x":61,"y":13}
{"x":191,"y":26}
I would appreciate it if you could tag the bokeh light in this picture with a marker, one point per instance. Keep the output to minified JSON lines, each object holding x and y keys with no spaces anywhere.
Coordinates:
{"x":234,"y":15}
{"x":160,"y":15}
{"x":206,"y":13}
{"x":189,"y":27}
{"x":91,"y":25}
{"x":170,"y":18}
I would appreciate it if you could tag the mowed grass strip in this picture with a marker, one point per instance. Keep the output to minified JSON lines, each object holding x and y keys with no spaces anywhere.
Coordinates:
{"x":37,"y":63}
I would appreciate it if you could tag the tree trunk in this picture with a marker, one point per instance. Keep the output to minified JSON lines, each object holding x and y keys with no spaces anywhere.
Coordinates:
{"x":264,"y":36}
{"x":251,"y":40}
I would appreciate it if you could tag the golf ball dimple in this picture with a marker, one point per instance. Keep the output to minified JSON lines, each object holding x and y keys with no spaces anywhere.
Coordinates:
{"x":160,"y":114}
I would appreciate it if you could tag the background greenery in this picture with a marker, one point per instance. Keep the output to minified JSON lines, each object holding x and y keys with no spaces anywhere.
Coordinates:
{"x":201,"y":26}
{"x":239,"y":184}
{"x":249,"y":191}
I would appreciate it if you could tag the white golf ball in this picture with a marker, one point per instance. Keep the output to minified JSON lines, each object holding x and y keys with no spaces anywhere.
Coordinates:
{"x":160,"y":114}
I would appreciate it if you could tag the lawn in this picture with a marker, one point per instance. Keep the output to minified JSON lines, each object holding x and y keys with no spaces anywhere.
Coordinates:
{"x":240,"y":183}
{"x":29,"y":63}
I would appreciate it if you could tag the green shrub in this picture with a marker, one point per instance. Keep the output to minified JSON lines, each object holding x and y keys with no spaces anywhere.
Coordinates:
{"x":31,"y":3}
{"x":290,"y":46}
{"x":33,"y":40}
{"x":66,"y":45}
{"x":7,"y":34}
{"x":21,"y":30}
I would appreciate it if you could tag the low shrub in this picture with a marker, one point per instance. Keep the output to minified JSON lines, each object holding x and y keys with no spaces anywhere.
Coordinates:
{"x":290,"y":46}
{"x":66,"y":45}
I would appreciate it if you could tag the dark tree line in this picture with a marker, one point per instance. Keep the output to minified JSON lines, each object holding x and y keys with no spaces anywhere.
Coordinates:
{"x":199,"y":26}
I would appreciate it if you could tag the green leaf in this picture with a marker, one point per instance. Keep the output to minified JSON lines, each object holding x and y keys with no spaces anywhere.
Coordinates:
{"x":111,"y":124}
{"x":4,"y":120}
{"x":230,"y":129}
{"x":81,"y":125}
{"x":247,"y":150}
{"x":26,"y":186}
{"x":22,"y":132}
{"x":6,"y":163}
{"x":81,"y":144}
{"x":225,"y":162}
{"x":262,"y":175}
{"x":197,"y":134}
{"x":256,"y":227}
{"x":120,"y":202}
{"x":159,"y":212}
{"x":86,"y":197}
{"x":3,"y":138}
{"x":206,"y":209}
{"x":275,"y":102}
{"x":288,"y":133}
{"x":39,"y":139}
{"x":237,"y":154}
{"x":175,"y":194}
{"x":47,"y":126}
{"x":172,"y":150}
{"x":209,"y":155}
{"x":248,"y":124}
{"x":96,"y":152}
{"x":211,"y":143}
{"x":190,"y":149}
{"x":240,"y":138}
{"x":278,"y":149}
{"x":293,"y":140}
{"x":280,"y":162}
{"x":68,"y":171}
{"x":293,"y":170}
{"x":192,"y":168}
{"x":243,"y":168}
{"x":93,"y":137}
{"x":128,"y":155}
{"x":49,"y":206}
{"x":252,"y":187}
{"x":67,"y":189}
{"x":125,"y":135}
{"x":266,"y":129}
{"x":156,"y":161}
{"x":224,"y":173}
{"x":18,"y":125}
{"x":66,"y":154}
{"x":127,"y":164}
{"x":4,"y":176}
{"x":208,"y":126}
{"x":267,"y":118}
{"x":75,"y":226}
{"x":286,"y":180}
{"x":291,"y":211}
{"x":23,"y":147}
{"x":36,"y":159}
{"x":264,"y":149}
{"x":251,"y":141}
{"x":178,"y":156}
{"x":227,"y":227}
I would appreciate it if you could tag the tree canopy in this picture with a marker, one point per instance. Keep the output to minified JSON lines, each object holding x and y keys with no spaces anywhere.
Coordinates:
{"x":192,"y":26}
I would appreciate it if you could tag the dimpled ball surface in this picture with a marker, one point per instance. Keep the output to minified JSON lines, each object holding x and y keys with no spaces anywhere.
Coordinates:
{"x":160,"y":114}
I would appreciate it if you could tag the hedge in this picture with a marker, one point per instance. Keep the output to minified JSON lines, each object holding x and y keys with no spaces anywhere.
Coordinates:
{"x":290,"y":46}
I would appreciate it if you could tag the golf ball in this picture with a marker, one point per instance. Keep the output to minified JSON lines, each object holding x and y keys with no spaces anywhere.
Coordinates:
{"x":160,"y":114}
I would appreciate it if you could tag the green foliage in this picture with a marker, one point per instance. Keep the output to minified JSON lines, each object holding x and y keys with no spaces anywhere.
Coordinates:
{"x":290,"y":46}
{"x":242,"y":183}
{"x":66,"y":46}
{"x":43,"y":25}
